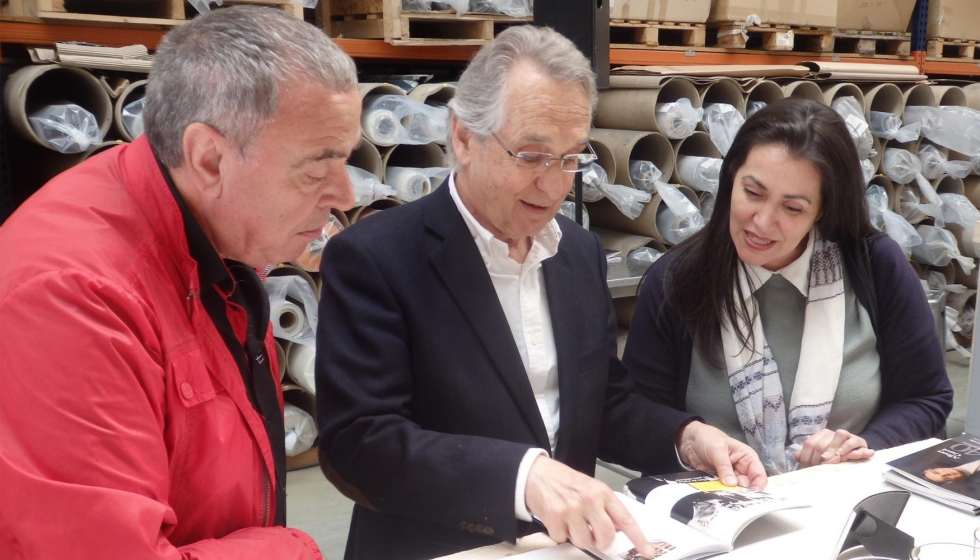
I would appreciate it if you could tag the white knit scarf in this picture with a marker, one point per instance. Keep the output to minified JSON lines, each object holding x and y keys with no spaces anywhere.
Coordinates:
{"x":753,"y":374}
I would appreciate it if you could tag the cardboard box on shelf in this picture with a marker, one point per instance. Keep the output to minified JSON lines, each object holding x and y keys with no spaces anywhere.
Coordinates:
{"x":817,"y":13}
{"x":875,"y":15}
{"x":954,"y":19}
{"x":687,"y":11}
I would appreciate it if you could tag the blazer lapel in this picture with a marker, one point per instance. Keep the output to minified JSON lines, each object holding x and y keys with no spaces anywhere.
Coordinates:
{"x":558,"y":280}
{"x":458,"y":262}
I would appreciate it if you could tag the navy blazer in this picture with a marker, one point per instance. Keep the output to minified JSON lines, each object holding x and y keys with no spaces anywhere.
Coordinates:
{"x":423,"y":403}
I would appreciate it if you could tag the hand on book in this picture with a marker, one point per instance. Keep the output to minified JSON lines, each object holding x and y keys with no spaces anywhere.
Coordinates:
{"x":829,"y":447}
{"x":578,"y":508}
{"x":707,"y":448}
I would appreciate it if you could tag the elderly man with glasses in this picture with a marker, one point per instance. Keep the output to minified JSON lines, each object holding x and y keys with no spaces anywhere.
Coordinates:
{"x":467,"y":377}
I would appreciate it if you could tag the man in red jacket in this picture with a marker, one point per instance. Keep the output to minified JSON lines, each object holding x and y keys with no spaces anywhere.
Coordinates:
{"x":139,"y":413}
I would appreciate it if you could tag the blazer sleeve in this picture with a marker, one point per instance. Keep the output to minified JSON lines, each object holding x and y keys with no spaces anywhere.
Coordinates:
{"x":84,"y":465}
{"x":638,"y":429}
{"x":370,"y":447}
{"x":916,"y":396}
{"x":658,"y":351}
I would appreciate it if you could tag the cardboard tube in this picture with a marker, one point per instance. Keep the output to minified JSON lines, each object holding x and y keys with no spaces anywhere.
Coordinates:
{"x":971,"y":188}
{"x":341,"y":217}
{"x":948,"y":272}
{"x":919,"y":271}
{"x":281,"y":357}
{"x":290,"y":269}
{"x":34,"y":87}
{"x":964,"y":239}
{"x":370,"y":88}
{"x":947,"y":184}
{"x":900,"y":190}
{"x":625,"y":242}
{"x":883,"y":98}
{"x":627,"y":145}
{"x":367,"y":157}
{"x":968,"y":280}
{"x":951,"y":96}
{"x":413,"y":155}
{"x":724,"y":90}
{"x":436,"y":95}
{"x":972,"y":93}
{"x":885,"y":183}
{"x":919,"y":95}
{"x":879,"y":152}
{"x":95,"y":150}
{"x":698,"y":144}
{"x":133,"y":92}
{"x":766,"y":91}
{"x":604,"y":214}
{"x":804,"y":89}
{"x":960,"y":302}
{"x":846,"y":89}
{"x":607,"y":161}
{"x":378,"y":205}
{"x":635,"y":109}
{"x":302,"y":362}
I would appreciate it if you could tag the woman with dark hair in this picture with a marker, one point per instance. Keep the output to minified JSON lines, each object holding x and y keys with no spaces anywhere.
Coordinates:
{"x":834,"y":351}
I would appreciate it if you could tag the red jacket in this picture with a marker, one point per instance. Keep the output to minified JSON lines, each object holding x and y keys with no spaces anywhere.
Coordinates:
{"x":125,"y":428}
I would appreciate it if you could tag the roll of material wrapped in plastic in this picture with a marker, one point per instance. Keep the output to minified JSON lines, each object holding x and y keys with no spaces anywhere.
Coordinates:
{"x":381,"y":127}
{"x":129,"y":124}
{"x":409,"y":183}
{"x":302,"y":362}
{"x":288,"y":318}
{"x":699,"y":172}
{"x":300,"y":429}
{"x":635,"y":109}
{"x":632,"y":145}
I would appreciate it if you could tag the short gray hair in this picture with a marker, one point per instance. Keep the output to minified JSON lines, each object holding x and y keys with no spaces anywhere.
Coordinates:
{"x":227,"y":70}
{"x":479,"y":100}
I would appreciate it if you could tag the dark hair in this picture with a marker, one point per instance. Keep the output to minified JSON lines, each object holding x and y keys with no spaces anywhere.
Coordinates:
{"x":704,"y":282}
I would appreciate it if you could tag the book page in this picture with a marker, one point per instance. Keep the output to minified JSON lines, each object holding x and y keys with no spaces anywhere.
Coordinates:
{"x":951,"y":468}
{"x":712,"y":508}
{"x":671,"y":540}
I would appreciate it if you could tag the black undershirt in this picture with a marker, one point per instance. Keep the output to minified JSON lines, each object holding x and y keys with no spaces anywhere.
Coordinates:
{"x":245,"y":290}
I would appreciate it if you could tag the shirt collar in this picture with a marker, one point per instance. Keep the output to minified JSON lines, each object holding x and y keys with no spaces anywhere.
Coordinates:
{"x":211,"y":269}
{"x":796,"y":273}
{"x":544,"y":244}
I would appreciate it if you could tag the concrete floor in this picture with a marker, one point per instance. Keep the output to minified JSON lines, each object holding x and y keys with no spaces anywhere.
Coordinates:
{"x":316,"y":507}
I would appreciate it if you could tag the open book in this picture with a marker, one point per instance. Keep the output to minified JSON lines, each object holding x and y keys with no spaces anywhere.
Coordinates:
{"x":946,"y":472}
{"x":689,"y":515}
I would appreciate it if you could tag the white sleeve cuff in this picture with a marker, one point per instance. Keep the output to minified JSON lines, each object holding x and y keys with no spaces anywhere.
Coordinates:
{"x":520,"y":508}
{"x":680,"y":461}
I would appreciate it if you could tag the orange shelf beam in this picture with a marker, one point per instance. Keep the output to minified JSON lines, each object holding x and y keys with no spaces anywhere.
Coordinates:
{"x":935,"y":67}
{"x":681,"y":58}
{"x":36,"y":33}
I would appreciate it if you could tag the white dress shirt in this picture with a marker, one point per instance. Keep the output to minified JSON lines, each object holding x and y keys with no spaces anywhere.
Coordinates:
{"x":520,"y":289}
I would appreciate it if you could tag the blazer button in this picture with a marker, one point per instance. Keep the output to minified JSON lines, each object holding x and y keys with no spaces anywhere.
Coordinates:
{"x":186,"y":390}
{"x":488,"y":531}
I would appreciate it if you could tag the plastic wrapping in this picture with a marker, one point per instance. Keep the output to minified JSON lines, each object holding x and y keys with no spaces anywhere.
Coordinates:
{"x":643,"y":174}
{"x":699,"y":173}
{"x":754,"y":107}
{"x":132,"y":117}
{"x":877,"y":204}
{"x":868,"y":169}
{"x":300,"y":430}
{"x":935,"y":164}
{"x":642,"y":257}
{"x":708,"y":206}
{"x":593,"y":176}
{"x":398,"y":119}
{"x":680,"y":219}
{"x":723,"y":122}
{"x":204,"y":6}
{"x":900,"y":165}
{"x":888,"y":126}
{"x":287,"y":294}
{"x":975,"y":161}
{"x":367,"y":186}
{"x":850,"y":110}
{"x":938,"y":248}
{"x":957,"y":209}
{"x":889,"y":222}
{"x":412,"y":183}
{"x":567,"y":209}
{"x":630,"y":201}
{"x":931,"y":205}
{"x":956,"y":128}
{"x":66,"y":128}
{"x":677,"y":120}
{"x":310,"y":259}
{"x":513,"y":8}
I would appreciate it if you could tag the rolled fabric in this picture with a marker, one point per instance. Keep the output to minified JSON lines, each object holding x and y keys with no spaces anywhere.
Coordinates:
{"x":300,"y":430}
{"x":409,"y":183}
{"x":288,"y":318}
{"x":302,"y":359}
{"x":699,"y":172}
{"x":380,"y":126}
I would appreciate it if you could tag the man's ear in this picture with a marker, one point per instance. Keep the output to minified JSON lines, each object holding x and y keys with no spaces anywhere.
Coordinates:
{"x":462,"y":139}
{"x":204,"y":148}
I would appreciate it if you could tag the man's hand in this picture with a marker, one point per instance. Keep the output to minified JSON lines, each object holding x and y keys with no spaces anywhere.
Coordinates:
{"x":706,"y":448}
{"x":578,"y":508}
{"x":827,"y":447}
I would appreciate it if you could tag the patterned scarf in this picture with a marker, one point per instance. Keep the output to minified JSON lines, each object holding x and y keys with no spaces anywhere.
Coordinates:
{"x":753,"y":374}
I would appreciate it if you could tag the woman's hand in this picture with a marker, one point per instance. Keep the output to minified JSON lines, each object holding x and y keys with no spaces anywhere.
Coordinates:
{"x":829,"y":447}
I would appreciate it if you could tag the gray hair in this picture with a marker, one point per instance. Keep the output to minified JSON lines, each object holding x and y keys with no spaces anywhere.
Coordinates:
{"x":227,"y":69}
{"x":479,"y":100}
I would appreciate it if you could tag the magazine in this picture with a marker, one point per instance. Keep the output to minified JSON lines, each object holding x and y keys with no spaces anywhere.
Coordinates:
{"x":946,"y":472}
{"x":689,"y":515}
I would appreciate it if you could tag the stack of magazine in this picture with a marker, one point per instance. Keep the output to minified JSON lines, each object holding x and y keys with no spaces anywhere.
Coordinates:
{"x":947,"y":473}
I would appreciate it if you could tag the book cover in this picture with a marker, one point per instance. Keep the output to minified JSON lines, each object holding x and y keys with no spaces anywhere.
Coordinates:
{"x":947,"y":472}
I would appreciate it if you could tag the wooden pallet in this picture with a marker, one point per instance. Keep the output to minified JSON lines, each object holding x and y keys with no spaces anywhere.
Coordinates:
{"x":629,"y":34}
{"x":348,"y":18}
{"x":872,"y":42}
{"x":163,"y":13}
{"x":771,"y":37}
{"x":951,"y":48}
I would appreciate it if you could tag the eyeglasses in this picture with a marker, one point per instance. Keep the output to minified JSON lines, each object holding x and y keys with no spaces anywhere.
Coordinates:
{"x":539,"y":161}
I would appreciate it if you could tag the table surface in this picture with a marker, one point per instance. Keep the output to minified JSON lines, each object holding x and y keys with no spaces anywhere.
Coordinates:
{"x":809,"y":533}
